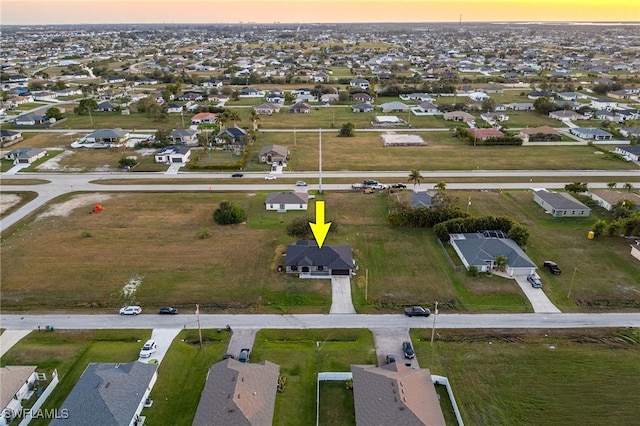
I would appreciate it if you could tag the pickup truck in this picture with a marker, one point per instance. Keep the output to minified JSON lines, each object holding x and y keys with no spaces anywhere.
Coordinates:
{"x":244,"y":355}
{"x":357,"y":186}
{"x":416,"y":311}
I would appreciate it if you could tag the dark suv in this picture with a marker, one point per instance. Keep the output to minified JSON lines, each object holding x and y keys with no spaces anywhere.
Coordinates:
{"x":552,"y":267}
{"x":168,"y":310}
{"x":408,"y":350}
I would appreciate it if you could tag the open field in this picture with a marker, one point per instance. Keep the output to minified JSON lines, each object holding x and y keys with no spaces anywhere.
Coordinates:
{"x":70,"y":351}
{"x":547,"y":377}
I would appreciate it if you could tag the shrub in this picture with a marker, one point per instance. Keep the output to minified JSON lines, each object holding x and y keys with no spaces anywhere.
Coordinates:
{"x":204,"y":233}
{"x":229,"y":213}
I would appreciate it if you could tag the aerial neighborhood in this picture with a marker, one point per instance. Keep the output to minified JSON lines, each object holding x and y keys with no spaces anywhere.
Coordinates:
{"x":359,"y":224}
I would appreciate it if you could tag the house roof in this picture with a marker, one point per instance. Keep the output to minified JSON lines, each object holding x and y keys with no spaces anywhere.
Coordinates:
{"x":395,"y":395}
{"x":300,"y":105}
{"x":25,"y":152}
{"x":560,"y":200}
{"x":563,"y":113}
{"x":12,"y":378}
{"x":362,"y":106}
{"x":107,"y":394}
{"x":274,"y":149}
{"x":461,"y":114}
{"x":236,"y":393}
{"x":287,"y":198}
{"x":203,"y":115}
{"x":234,"y":132}
{"x":31,"y":117}
{"x":590,"y":131}
{"x":631,"y":149}
{"x":422,"y":199}
{"x":6,"y":133}
{"x":394,"y":105}
{"x":183,"y":132}
{"x":478,"y":249}
{"x":614,"y":197}
{"x":427,"y":105}
{"x":174,"y":149}
{"x":545,"y":130}
{"x":307,"y":253}
{"x":107,"y":134}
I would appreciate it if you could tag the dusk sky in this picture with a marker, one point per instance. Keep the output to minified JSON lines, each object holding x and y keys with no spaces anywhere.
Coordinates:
{"x":265,"y":11}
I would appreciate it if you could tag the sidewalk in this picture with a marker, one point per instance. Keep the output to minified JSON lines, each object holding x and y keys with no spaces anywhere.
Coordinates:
{"x":10,"y":338}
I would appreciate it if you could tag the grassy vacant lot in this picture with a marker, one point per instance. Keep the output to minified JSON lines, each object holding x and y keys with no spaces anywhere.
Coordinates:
{"x":302,"y":354}
{"x":182,"y":375}
{"x":70,"y":351}
{"x":547,"y":377}
{"x":116,"y":119}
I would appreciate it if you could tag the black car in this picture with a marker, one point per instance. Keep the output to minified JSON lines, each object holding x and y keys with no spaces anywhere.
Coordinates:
{"x":408,"y":350}
{"x":227,"y":356}
{"x":389,"y":359}
{"x":552,"y":267}
{"x":237,"y":175}
{"x":399,"y":185}
{"x":370,"y":182}
{"x":168,"y":310}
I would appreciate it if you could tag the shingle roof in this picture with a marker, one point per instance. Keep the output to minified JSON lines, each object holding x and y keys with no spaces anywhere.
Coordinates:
{"x":12,"y":378}
{"x":560,"y":200}
{"x":107,"y":394}
{"x":107,"y":134}
{"x":238,"y":394}
{"x":478,"y":250}
{"x":287,"y":198}
{"x":307,"y":253}
{"x":631,"y":149}
{"x":422,"y":199}
{"x":395,"y":395}
{"x":277,"y":149}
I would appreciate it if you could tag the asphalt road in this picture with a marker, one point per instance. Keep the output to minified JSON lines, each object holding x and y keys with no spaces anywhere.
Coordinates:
{"x":310,"y":321}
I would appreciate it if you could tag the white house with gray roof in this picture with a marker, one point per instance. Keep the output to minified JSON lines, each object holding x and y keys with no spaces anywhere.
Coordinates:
{"x":25,"y":155}
{"x":560,"y":204}
{"x":286,"y":201}
{"x":173,"y":154}
{"x":480,"y":249}
{"x":109,"y":394}
{"x":309,"y":261}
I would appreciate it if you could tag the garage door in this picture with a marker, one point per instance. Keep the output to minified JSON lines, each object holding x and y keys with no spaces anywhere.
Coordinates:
{"x":339,"y":272}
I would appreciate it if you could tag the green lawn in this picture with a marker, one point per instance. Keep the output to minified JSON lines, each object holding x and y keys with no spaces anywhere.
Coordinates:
{"x":550,"y":377}
{"x":112,"y":120}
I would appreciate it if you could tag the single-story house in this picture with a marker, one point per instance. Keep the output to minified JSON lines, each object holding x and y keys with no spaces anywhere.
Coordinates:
{"x":630,"y":131}
{"x":45,"y":95}
{"x":267,"y":108}
{"x":560,"y":204}
{"x":275,"y":98}
{"x":570,"y":96}
{"x":483,"y":134}
{"x":478,"y":96}
{"x":10,"y":135}
{"x":493,"y":117}
{"x":537,"y":95}
{"x":458,"y":116}
{"x":609,"y":198}
{"x":190,"y":97}
{"x":108,"y":136}
{"x":564,"y":114}
{"x":237,"y":393}
{"x":286,"y":201}
{"x":363,"y":107}
{"x":251,"y":92}
{"x":395,"y":394}
{"x":106,"y":106}
{"x":428,"y":107}
{"x":306,"y":259}
{"x":480,"y":249}
{"x":306,"y":98}
{"x":300,"y":108}
{"x":17,"y":382}
{"x":416,"y":97}
{"x":19,"y":100}
{"x":424,"y":199}
{"x":234,"y":135}
{"x":204,"y":117}
{"x":30,"y":120}
{"x":591,"y":133}
{"x":359,"y":82}
{"x":521,"y":106}
{"x":178,"y":154}
{"x":635,"y":249}
{"x":387,"y":120}
{"x":185,"y":136}
{"x":542,"y":133}
{"x":629,"y":152}
{"x":25,"y":155}
{"x":394,"y":106}
{"x":174,"y":108}
{"x":109,"y":394}
{"x":329,"y":97}
{"x":273,"y":154}
{"x":603,"y":103}
{"x":361,"y":97}
{"x":612,"y":116}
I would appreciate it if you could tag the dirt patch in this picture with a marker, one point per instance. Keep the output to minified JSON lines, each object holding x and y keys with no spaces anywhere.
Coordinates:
{"x":54,"y":163}
{"x":7,"y":201}
{"x":64,"y":209}
{"x":130,"y":288}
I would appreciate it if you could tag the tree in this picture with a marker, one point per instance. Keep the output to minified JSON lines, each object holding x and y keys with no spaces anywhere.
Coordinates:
{"x":488,"y":105}
{"x":415,"y":177}
{"x":54,"y":112}
{"x":234,"y":116}
{"x":59,"y":85}
{"x":576,"y":187}
{"x":628,"y":187}
{"x":127,"y":162}
{"x":500,"y":262}
{"x":544,"y":106}
{"x":229,"y":213}
{"x":255,"y":117}
{"x":85,"y":106}
{"x":223,"y":118}
{"x":519,"y":234}
{"x":347,"y":130}
{"x":299,"y":228}
{"x":440,"y":186}
{"x":611,"y":185}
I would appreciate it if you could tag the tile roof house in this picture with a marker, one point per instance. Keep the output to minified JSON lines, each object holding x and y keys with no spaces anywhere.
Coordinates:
{"x":237,"y":393}
{"x":395,"y":394}
{"x":25,"y":155}
{"x":609,"y":198}
{"x":173,"y":154}
{"x":273,"y":154}
{"x":480,"y":249}
{"x":17,"y":381}
{"x":109,"y":394}
{"x":204,"y":117}
{"x":485,"y":133}
{"x":560,"y":204}
{"x":286,"y":201}
{"x":306,"y":259}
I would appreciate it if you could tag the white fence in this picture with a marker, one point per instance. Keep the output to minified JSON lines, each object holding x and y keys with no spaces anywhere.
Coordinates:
{"x":43,"y":397}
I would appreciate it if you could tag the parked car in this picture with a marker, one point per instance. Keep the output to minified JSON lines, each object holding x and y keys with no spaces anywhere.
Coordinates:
{"x":535,"y":281}
{"x":301,"y":183}
{"x":168,"y":310}
{"x":357,"y":186}
{"x":237,"y":175}
{"x":370,"y":182}
{"x":148,"y":348}
{"x":552,"y":267}
{"x":244,"y":355}
{"x":416,"y":311}
{"x":408,"y":350}
{"x":389,"y":359}
{"x":270,"y":177}
{"x":379,"y":186}
{"x":399,"y":185}
{"x":130,"y":310}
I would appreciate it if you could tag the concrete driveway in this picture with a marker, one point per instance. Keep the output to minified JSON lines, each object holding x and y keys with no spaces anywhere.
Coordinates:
{"x":537,"y":297}
{"x":163,"y":337}
{"x":241,"y":338}
{"x":10,"y":338}
{"x":389,"y":342}
{"x":341,"y":296}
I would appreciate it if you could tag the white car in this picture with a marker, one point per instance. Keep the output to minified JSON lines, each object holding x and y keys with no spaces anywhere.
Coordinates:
{"x":148,"y":348}
{"x":301,"y":183}
{"x":130,"y":310}
{"x":270,"y":177}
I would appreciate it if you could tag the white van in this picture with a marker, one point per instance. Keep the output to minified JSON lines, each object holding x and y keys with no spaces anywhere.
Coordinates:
{"x":148,"y":348}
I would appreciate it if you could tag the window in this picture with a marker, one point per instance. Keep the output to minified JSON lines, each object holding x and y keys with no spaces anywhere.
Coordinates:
{"x":320,"y":268}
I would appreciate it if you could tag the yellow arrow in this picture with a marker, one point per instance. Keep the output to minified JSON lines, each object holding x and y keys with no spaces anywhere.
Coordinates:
{"x":320,"y":228}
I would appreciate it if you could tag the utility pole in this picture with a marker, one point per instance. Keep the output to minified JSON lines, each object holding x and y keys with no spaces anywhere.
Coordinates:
{"x":295,"y":143}
{"x":90,"y":118}
{"x":366,"y":283}
{"x":198,"y":318}
{"x":571,"y":284}
{"x":320,"y":160}
{"x":468,"y":204}
{"x":433,"y":334}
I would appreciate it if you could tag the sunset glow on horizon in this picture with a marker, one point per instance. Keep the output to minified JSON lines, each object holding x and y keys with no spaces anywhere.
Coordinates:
{"x":29,"y":12}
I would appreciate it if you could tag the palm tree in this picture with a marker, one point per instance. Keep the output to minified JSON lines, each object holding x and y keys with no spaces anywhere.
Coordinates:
{"x":234,"y":116}
{"x":500,"y":262}
{"x":628,"y":187}
{"x":255,"y":117}
{"x":440,"y":186}
{"x":611,"y":185}
{"x":223,"y":118}
{"x":415,"y":177}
